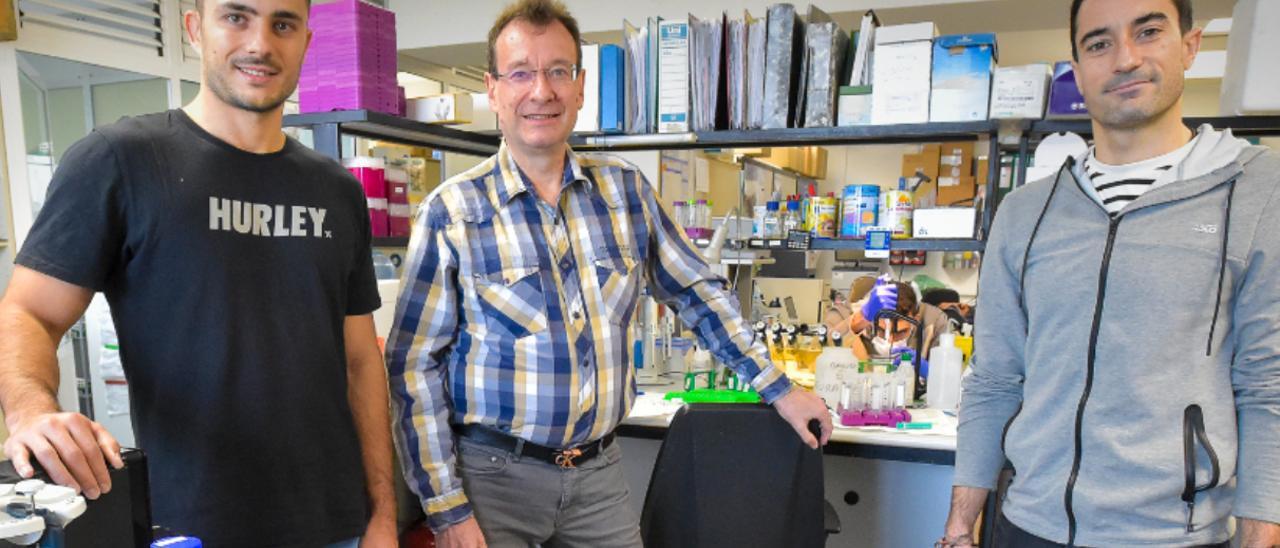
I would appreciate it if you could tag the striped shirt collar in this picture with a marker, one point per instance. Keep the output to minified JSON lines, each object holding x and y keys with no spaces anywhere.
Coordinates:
{"x":513,"y":181}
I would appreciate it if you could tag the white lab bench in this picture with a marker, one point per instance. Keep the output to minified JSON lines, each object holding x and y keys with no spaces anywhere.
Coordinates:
{"x":889,"y":488}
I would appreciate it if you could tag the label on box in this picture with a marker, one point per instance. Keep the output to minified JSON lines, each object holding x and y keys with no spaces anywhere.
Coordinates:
{"x":1019,"y":92}
{"x":948,"y":181}
{"x":900,"y":89}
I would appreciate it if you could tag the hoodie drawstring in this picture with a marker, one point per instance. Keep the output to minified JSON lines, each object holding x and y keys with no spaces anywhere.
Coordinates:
{"x":1026,"y":255}
{"x":1222,"y":265}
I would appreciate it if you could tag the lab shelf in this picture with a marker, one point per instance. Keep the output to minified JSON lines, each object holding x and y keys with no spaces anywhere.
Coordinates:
{"x":853,"y":135}
{"x":1239,"y":125}
{"x":327,"y":126}
{"x":957,"y":244}
{"x":391,"y":242}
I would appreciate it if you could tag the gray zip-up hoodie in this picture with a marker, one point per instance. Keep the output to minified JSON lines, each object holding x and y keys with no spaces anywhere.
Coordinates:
{"x":1129,"y":368}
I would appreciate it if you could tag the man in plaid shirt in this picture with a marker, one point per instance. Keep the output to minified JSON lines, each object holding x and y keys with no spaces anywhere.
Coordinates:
{"x":509,"y":358}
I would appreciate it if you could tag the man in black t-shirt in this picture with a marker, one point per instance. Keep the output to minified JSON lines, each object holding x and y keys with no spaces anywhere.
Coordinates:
{"x":238,"y":268}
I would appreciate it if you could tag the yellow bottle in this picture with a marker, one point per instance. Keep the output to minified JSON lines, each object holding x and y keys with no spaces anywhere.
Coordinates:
{"x":810,"y":349}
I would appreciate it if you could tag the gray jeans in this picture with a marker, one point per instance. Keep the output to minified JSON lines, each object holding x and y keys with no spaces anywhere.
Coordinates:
{"x":526,"y":502}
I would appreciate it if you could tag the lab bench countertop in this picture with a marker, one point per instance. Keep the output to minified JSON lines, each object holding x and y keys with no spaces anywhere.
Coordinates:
{"x":651,"y":415}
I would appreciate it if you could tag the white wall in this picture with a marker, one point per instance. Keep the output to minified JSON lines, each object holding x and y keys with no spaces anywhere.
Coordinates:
{"x":111,"y":102}
{"x":66,"y":119}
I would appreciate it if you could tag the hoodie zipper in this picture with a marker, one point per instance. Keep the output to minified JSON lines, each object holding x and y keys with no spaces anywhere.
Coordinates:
{"x":1088,"y":379}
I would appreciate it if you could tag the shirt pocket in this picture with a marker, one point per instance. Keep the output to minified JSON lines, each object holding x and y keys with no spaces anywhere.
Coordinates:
{"x":618,"y":277}
{"x":513,"y":302}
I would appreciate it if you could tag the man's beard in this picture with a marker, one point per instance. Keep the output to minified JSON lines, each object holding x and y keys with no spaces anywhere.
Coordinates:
{"x":218,"y":84}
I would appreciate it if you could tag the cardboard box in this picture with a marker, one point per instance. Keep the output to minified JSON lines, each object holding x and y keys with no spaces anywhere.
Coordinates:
{"x":925,"y":160}
{"x":779,"y":157}
{"x":949,"y":222}
{"x":8,"y":21}
{"x":854,"y":106}
{"x":962,"y":67}
{"x":1020,"y":92}
{"x":448,"y":108}
{"x":956,"y":190}
{"x":1065,"y":100}
{"x":901,"y":74}
{"x":956,"y":160}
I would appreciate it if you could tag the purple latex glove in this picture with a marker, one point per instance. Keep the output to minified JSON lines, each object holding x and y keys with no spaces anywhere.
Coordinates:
{"x":883,"y":296}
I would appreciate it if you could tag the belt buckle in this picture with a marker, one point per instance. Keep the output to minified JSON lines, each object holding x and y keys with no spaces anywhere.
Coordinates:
{"x":564,"y":459}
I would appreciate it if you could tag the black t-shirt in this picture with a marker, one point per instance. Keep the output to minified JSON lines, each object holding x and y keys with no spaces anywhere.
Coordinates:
{"x":229,"y":276}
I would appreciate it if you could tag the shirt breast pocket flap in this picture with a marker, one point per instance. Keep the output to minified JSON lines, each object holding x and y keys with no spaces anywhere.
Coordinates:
{"x":618,"y":277}
{"x":513,"y":300}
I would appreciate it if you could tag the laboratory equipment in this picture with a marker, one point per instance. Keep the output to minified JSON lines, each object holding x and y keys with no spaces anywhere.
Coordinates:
{"x":896,"y":210}
{"x":772,"y":221}
{"x":877,"y":327}
{"x":651,"y":365}
{"x":680,"y":214}
{"x":887,"y":417}
{"x":758,"y":214}
{"x":826,"y":210}
{"x":945,"y":364}
{"x":836,"y":368}
{"x":33,"y":507}
{"x":792,"y":220}
{"x":859,"y":210}
{"x":38,"y":511}
{"x":876,"y":244}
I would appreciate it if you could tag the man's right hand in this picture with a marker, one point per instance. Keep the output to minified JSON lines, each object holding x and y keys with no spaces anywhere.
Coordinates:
{"x":73,"y":450}
{"x":464,"y":534}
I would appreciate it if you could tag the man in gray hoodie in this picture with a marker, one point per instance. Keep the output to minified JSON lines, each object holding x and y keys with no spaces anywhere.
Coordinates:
{"x":1127,"y":361}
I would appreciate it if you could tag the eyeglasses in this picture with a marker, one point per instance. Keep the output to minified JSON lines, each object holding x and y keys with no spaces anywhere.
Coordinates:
{"x":557,"y":75}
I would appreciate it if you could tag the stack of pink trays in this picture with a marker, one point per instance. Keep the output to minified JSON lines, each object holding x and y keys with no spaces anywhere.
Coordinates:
{"x":351,"y":64}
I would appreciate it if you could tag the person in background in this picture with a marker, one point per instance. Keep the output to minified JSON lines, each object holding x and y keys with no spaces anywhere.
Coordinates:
{"x":948,"y":300}
{"x":1127,"y":352}
{"x":237,"y":264}
{"x":894,"y":335}
{"x":510,"y":355}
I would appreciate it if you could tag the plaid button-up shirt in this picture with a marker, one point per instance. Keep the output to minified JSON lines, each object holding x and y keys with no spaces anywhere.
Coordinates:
{"x":516,"y":315}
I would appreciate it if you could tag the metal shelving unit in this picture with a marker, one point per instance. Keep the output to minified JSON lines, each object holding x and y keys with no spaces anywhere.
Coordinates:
{"x":328,"y":127}
{"x":853,"y":135}
{"x":391,"y":242}
{"x":909,"y":244}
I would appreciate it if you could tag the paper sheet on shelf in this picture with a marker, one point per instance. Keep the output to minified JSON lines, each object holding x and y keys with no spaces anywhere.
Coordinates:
{"x":653,"y":405}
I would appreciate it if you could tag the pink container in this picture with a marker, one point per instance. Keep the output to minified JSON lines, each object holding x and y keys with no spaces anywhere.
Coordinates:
{"x":399,"y":214}
{"x":371,"y":172}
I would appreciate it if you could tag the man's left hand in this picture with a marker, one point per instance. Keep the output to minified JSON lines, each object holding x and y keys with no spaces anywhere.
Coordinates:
{"x":1258,"y":534}
{"x":380,"y":533}
{"x":799,"y":407}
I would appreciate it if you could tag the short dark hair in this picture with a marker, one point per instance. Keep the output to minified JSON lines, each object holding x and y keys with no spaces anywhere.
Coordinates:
{"x":940,"y":295}
{"x":539,"y":13}
{"x":1185,"y":21}
{"x":907,"y":304}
